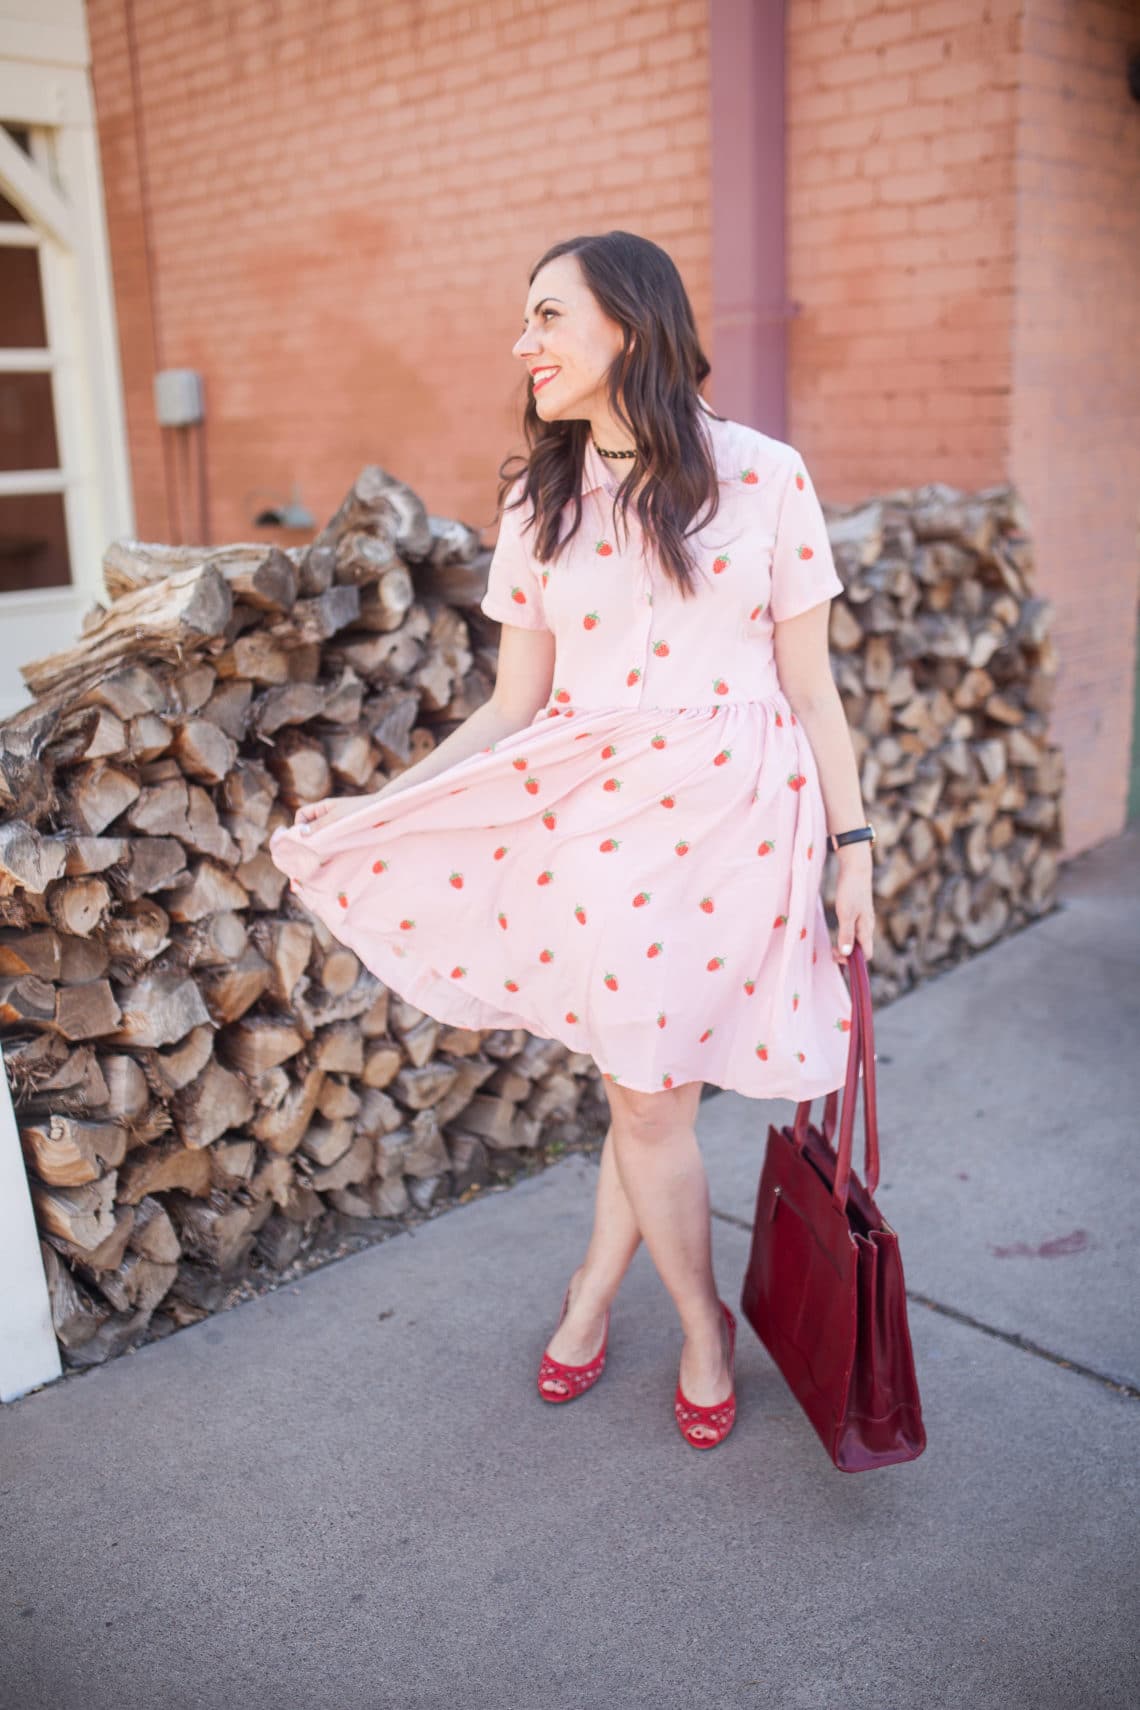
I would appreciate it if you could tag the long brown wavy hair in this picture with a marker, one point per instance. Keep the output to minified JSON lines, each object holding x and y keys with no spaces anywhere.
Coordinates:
{"x":652,"y":388}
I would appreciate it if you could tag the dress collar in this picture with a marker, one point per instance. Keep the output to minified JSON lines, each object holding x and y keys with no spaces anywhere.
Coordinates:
{"x":607,"y":473}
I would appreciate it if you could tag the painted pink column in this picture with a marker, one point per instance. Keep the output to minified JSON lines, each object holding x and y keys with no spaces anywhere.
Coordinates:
{"x":750,"y":310}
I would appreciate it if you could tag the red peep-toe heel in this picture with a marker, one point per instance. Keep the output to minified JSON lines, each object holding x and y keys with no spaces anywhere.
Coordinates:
{"x":578,"y":1379}
{"x":722,"y":1415}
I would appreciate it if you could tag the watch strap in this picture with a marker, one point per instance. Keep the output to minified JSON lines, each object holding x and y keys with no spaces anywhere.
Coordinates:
{"x":859,"y":834}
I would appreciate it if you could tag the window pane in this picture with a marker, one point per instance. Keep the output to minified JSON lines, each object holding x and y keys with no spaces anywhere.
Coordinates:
{"x":21,"y":300}
{"x":33,"y":542}
{"x":7,"y":212}
{"x":21,"y":136}
{"x":27,"y":422}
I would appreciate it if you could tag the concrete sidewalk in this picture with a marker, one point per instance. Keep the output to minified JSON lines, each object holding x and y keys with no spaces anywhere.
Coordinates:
{"x":348,"y":1492}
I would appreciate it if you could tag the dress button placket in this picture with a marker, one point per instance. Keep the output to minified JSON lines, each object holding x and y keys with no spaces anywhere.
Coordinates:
{"x":647,"y":645}
{"x":636,"y":690}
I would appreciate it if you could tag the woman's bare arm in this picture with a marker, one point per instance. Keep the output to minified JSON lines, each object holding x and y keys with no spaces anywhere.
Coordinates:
{"x":804,"y":669}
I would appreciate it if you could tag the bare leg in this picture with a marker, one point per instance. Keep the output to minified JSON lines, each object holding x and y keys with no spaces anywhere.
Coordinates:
{"x":614,"y":1241}
{"x":664,"y":1178}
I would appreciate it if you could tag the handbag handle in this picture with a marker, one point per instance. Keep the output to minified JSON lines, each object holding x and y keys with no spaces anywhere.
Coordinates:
{"x":870,"y":1107}
{"x":831,"y":1099}
{"x":860,"y":1062}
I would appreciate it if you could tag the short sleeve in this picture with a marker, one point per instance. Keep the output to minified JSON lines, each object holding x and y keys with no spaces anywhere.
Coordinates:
{"x":803,"y":568}
{"x":514,"y":586}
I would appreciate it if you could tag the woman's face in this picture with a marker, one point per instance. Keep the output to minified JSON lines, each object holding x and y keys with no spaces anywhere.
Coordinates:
{"x":568,"y":344}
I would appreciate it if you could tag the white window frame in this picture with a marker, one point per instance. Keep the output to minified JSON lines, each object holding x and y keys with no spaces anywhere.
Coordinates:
{"x":59,"y":191}
{"x":50,"y":233}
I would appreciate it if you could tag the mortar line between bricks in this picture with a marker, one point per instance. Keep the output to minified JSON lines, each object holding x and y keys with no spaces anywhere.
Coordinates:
{"x":1012,"y":1337}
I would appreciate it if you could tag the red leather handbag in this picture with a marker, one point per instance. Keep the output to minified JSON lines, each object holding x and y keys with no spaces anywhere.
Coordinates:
{"x":824,"y":1287}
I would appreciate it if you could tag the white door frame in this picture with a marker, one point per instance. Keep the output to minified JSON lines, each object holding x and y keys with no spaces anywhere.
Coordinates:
{"x":45,"y":87}
{"x":29,"y":1352}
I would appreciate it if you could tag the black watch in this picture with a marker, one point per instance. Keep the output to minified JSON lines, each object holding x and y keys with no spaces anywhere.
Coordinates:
{"x":861,"y":834}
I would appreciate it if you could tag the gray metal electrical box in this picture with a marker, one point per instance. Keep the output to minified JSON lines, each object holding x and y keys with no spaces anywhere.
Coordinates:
{"x":178,"y":397}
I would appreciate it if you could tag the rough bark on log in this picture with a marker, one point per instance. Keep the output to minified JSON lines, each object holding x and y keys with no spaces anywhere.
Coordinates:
{"x":210,"y":889}
{"x":106,"y":1265}
{"x":204,"y":751}
{"x":216,"y":941}
{"x":325,"y":1142}
{"x":128,"y":1094}
{"x":101,"y":791}
{"x":67,"y":1152}
{"x":135,"y":936}
{"x":159,"y":1009}
{"x":219,"y":1233}
{"x":286,"y":946}
{"x":148,"y":864}
{"x":338,"y":1098}
{"x":153,"y":1234}
{"x":29,"y":862}
{"x":79,"y":906}
{"x":183,"y":611}
{"x":260,"y":1042}
{"x":215,"y":1102}
{"x":167,"y":1071}
{"x":228,"y":707}
{"x":27,"y":1002}
{"x":265,"y":884}
{"x":355,"y":1165}
{"x":339,"y":1049}
{"x":262,"y":577}
{"x":291,"y":704}
{"x":231,"y":990}
{"x":76,"y":1314}
{"x":87,"y":1011}
{"x":36,"y":951}
{"x":156,"y":1169}
{"x":259,"y":658}
{"x":84,"y":1216}
{"x":301,"y":770}
{"x":282,"y":1127}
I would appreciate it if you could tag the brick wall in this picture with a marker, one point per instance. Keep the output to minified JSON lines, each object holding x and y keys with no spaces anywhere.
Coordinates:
{"x":345,"y":204}
{"x":126,"y":226}
{"x":964,"y":237}
{"x":901,"y":218}
{"x":1075,"y":429}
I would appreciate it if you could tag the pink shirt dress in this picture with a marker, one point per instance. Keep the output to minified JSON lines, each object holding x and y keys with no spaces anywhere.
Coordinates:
{"x":636,"y":872}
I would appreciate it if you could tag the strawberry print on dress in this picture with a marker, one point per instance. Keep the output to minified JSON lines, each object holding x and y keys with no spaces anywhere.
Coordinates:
{"x":636,"y":872}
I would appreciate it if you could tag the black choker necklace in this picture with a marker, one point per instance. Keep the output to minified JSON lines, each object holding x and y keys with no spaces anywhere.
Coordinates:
{"x":602,"y":453}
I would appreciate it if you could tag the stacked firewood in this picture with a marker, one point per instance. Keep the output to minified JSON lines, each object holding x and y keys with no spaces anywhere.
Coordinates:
{"x":207,"y":1083}
{"x":205,"y":1080}
{"x":944,"y":662}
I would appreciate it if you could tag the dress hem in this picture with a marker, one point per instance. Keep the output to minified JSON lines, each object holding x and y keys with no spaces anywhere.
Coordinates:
{"x":730,"y":1086}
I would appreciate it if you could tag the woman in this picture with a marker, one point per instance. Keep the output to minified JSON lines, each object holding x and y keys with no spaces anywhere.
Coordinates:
{"x":622,"y":848}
